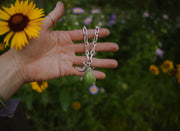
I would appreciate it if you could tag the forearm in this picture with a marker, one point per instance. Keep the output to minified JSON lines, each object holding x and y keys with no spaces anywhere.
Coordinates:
{"x":10,"y":80}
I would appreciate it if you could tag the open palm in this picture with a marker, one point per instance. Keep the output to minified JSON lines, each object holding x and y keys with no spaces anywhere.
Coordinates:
{"x":53,"y":55}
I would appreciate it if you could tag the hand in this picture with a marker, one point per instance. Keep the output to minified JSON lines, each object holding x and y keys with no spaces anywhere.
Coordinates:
{"x":52,"y":55}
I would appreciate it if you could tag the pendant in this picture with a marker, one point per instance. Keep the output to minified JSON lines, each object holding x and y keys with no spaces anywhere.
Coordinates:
{"x":89,"y":76}
{"x":84,"y":68}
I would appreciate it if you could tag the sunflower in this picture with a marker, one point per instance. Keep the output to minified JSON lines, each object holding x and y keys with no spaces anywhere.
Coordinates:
{"x":39,"y":86}
{"x":21,"y":22}
{"x":167,"y":66}
{"x":154,"y":69}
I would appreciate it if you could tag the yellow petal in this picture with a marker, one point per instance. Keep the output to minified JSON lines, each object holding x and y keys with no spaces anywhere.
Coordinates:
{"x":34,"y":23}
{"x":39,"y":90}
{"x":21,"y":6}
{"x":7,"y":38}
{"x":35,"y":13}
{"x":3,"y":23}
{"x":35,"y":27}
{"x":12,"y":10}
{"x":25,"y":10}
{"x":29,"y":7}
{"x":38,"y":20}
{"x":35,"y":87}
{"x":38,"y":28}
{"x":4,"y":29}
{"x":33,"y":83}
{"x":17,"y":5}
{"x":45,"y":84}
{"x":31,"y":32}
{"x":4,"y":15}
{"x":19,"y":40}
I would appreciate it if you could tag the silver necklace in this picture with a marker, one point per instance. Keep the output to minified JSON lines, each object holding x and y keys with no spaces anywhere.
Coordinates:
{"x":89,"y":76}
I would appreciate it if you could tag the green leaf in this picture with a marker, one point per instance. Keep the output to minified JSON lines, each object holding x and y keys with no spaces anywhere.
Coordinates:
{"x":65,"y":99}
{"x":44,"y":98}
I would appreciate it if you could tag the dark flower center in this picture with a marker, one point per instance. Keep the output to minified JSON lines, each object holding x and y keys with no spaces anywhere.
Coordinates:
{"x":173,"y":72}
{"x":166,"y":66}
{"x":18,"y":22}
{"x":153,"y":70}
{"x":40,"y":83}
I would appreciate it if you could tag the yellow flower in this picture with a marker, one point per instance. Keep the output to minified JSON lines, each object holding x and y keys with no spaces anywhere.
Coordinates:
{"x":178,"y":67}
{"x":178,"y":73}
{"x":154,"y":69}
{"x":76,"y":105}
{"x":1,"y":46}
{"x":167,"y":66}
{"x":39,"y":86}
{"x":150,"y":129}
{"x":21,"y":22}
{"x":124,"y":86}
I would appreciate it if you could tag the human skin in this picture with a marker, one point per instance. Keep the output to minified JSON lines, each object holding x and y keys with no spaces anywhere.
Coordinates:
{"x":51,"y":55}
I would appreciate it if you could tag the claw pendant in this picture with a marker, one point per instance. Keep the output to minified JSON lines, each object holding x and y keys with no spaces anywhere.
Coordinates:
{"x":84,"y":68}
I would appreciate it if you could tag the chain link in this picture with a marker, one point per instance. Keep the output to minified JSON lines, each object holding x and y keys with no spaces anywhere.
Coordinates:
{"x":85,"y":32}
{"x":91,"y":53}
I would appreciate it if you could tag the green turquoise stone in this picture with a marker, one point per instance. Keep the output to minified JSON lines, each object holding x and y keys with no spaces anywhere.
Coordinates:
{"x":89,"y":76}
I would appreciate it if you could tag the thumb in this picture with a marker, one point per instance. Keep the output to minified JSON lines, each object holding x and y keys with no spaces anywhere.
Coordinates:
{"x":53,"y":17}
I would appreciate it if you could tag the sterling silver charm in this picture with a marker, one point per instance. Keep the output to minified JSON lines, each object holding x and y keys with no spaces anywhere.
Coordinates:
{"x":89,"y":75}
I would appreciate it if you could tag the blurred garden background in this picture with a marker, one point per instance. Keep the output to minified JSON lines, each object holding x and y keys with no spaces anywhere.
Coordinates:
{"x":142,"y":94}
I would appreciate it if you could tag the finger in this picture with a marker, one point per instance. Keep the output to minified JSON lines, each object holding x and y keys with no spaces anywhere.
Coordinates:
{"x":77,"y":35}
{"x":96,"y":62}
{"x":53,"y":17}
{"x":97,"y":74}
{"x":106,"y":46}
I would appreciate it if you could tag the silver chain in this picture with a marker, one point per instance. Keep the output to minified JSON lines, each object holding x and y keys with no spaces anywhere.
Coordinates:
{"x":90,"y":53}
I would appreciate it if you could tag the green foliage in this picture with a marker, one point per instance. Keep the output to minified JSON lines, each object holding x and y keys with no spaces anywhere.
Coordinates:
{"x":130,"y":98}
{"x":65,"y":98}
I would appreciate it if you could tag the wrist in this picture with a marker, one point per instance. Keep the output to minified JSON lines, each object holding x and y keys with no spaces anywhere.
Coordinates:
{"x":10,"y":76}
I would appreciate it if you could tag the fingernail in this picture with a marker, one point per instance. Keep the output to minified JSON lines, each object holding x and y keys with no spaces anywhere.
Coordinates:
{"x":58,"y":3}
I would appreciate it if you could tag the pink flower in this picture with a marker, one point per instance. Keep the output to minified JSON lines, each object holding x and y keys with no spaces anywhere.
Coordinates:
{"x":78,"y":10}
{"x":145,"y":14}
{"x":113,"y":16}
{"x":95,"y":11}
{"x":93,"y":90}
{"x":110,"y":23}
{"x":112,"y":20}
{"x":159,"y":52}
{"x":88,"y":20}
{"x":165,"y":16}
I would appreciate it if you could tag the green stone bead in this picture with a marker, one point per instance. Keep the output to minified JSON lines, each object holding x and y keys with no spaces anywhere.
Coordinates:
{"x":89,"y":76}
